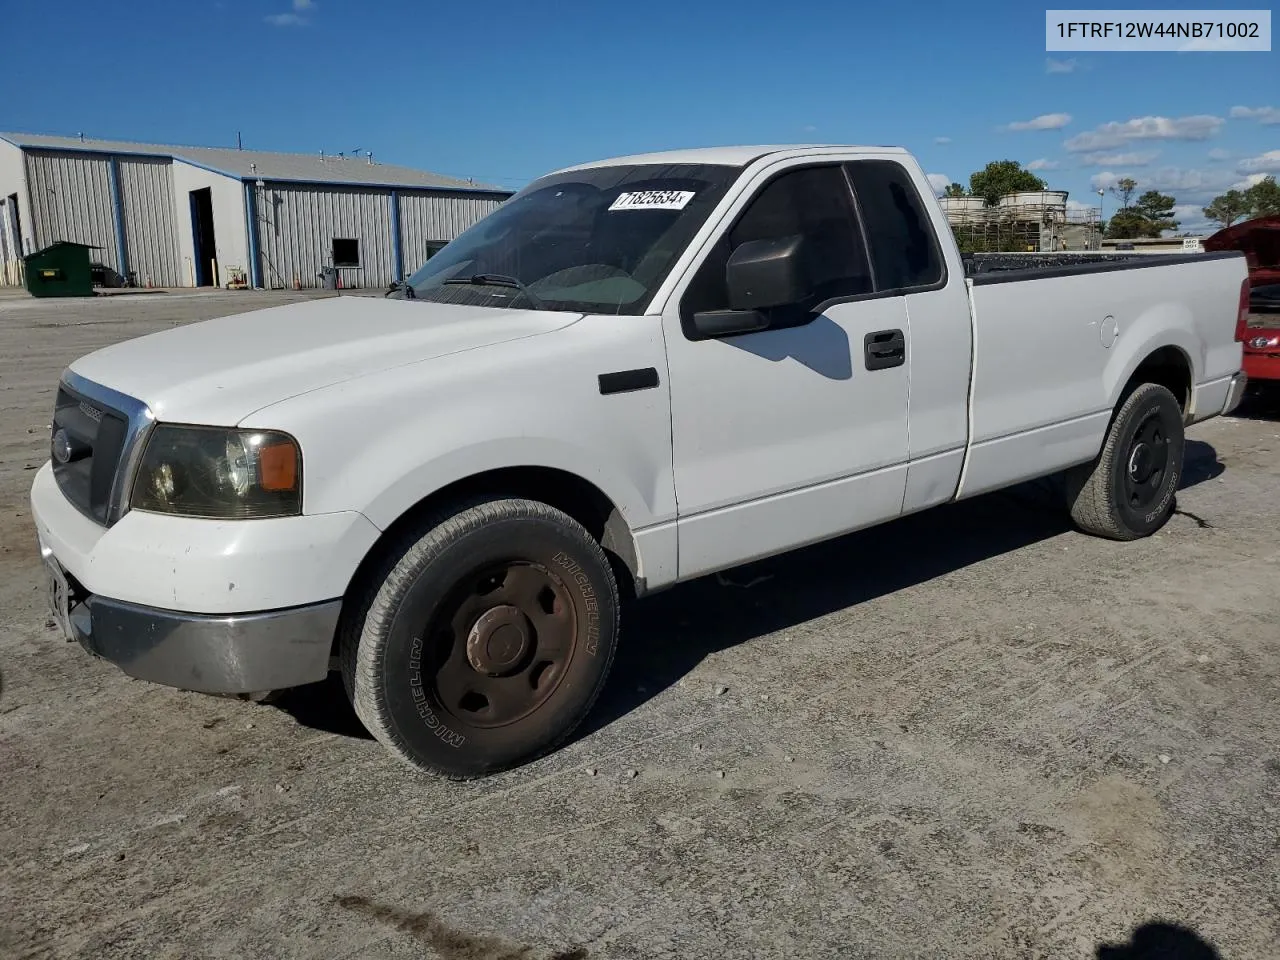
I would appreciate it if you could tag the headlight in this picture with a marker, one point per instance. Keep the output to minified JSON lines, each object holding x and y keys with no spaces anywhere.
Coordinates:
{"x":1261,"y":343}
{"x":219,"y":473}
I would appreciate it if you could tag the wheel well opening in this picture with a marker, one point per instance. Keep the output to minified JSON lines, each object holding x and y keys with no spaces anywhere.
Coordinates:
{"x":565,"y":491}
{"x":1168,"y":367}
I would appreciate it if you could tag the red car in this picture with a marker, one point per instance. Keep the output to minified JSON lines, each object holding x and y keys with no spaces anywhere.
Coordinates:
{"x":1260,"y":241}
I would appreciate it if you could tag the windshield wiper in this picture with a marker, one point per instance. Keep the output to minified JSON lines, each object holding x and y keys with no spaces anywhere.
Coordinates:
{"x":498,"y":280}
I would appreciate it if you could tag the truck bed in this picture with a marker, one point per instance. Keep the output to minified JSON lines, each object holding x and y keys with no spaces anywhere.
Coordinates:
{"x":1055,"y":337}
{"x":985,"y":268}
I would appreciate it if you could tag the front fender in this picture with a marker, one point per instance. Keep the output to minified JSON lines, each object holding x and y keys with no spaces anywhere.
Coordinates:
{"x":417,"y":481}
{"x":380,"y":444}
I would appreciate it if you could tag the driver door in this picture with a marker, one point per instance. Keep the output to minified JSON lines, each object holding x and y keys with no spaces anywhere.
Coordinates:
{"x":797,"y":432}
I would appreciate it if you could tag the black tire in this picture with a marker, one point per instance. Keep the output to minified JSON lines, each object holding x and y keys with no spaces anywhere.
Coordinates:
{"x":484,"y":641}
{"x":1128,"y":491}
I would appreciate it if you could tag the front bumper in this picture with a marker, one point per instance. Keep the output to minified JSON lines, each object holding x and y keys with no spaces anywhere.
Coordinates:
{"x":203,"y":566}
{"x":244,"y":653}
{"x":219,"y":607}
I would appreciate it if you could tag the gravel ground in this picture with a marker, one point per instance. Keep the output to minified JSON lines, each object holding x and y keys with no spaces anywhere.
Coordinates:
{"x":971,"y":733}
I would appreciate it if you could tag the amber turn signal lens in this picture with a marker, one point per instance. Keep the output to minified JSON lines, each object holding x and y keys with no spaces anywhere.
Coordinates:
{"x":278,"y":466}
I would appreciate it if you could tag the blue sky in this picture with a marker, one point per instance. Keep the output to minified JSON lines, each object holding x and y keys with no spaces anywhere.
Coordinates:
{"x":503,"y":91}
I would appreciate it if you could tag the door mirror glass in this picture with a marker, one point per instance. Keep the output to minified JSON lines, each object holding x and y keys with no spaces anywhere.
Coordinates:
{"x":766,"y":273}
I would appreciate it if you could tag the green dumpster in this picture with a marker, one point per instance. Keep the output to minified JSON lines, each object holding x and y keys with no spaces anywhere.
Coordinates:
{"x":60,"y":270}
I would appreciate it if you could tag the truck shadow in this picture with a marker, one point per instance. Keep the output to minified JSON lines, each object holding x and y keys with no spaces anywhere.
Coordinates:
{"x":669,"y":634}
{"x":1261,"y":402}
{"x":1199,"y":463}
{"x":1160,"y":941}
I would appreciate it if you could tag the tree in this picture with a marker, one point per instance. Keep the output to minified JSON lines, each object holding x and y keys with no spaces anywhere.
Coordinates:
{"x":1128,"y":224}
{"x":1124,"y":189}
{"x":1227,"y":208}
{"x":1264,"y":198}
{"x":1260,"y":200}
{"x":1150,"y":216}
{"x":955,"y":190}
{"x":1000,"y":177}
{"x":1157,"y":208}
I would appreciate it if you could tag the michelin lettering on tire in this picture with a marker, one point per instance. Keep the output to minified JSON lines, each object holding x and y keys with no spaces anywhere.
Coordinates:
{"x":1176,"y":474}
{"x":589,"y":602}
{"x":419,"y":694}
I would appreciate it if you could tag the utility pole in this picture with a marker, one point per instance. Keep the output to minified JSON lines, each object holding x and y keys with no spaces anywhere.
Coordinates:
{"x":1101,"y":220}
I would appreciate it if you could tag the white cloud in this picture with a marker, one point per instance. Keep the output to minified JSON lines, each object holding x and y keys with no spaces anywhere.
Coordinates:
{"x":1079,"y":206}
{"x":1117,"y":134}
{"x":1249,"y":181}
{"x":1191,"y":218}
{"x":809,"y":128}
{"x":939,"y":182}
{"x":1187,"y":185}
{"x":1218,"y":154}
{"x":1046,"y":121}
{"x":942,"y":140}
{"x":1266,"y":115}
{"x":1268,"y":162}
{"x":1061,"y":66}
{"x":1043,"y":164}
{"x":294,"y":19}
{"x":1132,"y":159}
{"x":1105,"y":180}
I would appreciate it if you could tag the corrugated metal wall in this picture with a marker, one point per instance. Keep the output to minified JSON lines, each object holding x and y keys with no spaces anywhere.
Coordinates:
{"x":426,"y":217}
{"x":71,"y":200}
{"x":150,"y":237}
{"x":298,"y":223}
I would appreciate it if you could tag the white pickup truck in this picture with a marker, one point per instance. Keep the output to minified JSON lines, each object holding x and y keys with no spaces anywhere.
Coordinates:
{"x":634,"y":372}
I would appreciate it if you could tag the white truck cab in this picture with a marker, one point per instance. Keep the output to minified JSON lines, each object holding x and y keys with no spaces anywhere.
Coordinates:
{"x":634,"y":372}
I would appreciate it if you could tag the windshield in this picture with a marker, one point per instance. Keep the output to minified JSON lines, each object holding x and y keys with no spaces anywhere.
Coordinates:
{"x":599,"y":240}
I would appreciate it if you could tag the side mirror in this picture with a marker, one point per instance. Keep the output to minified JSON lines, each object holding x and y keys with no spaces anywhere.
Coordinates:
{"x":759,"y":275}
{"x":766,"y":273}
{"x":728,"y":323}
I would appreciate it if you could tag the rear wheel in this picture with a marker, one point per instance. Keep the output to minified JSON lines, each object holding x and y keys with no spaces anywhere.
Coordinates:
{"x":1128,"y":491}
{"x":485,"y":640}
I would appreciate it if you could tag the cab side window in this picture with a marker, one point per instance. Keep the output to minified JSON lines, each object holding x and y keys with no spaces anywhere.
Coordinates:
{"x":813,"y":202}
{"x":904,"y":249}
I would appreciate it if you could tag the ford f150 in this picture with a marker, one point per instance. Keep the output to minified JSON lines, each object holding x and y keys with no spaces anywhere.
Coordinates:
{"x":633,"y":373}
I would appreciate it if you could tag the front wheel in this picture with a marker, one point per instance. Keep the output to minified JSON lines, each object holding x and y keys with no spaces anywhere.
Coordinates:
{"x":486,"y":641}
{"x":1128,"y":490}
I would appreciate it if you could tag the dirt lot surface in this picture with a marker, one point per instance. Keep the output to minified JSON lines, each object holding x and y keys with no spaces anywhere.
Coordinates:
{"x":971,"y":733}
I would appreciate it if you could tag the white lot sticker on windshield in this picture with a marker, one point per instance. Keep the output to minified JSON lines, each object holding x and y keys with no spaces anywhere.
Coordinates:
{"x":652,"y":200}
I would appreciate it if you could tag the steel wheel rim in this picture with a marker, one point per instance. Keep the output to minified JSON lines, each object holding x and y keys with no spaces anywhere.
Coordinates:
{"x":503,"y":639}
{"x":1146,"y":464}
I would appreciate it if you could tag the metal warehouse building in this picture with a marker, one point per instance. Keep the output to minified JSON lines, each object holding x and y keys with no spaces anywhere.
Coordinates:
{"x":171,"y":216}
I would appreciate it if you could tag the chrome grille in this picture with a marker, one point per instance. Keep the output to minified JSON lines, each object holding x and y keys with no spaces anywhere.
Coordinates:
{"x":95,"y":435}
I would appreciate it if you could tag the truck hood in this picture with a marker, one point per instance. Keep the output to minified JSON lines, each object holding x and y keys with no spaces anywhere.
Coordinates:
{"x":219,"y":371}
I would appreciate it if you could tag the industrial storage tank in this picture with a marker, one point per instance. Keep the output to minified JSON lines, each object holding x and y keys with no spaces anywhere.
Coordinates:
{"x":963,"y":209}
{"x":1043,"y":199}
